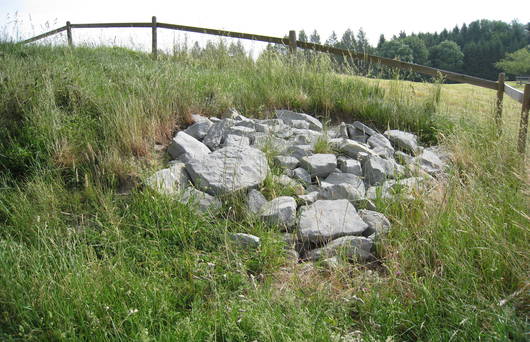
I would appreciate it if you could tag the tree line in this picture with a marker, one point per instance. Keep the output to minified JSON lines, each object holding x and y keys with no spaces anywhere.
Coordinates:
{"x":473,"y":49}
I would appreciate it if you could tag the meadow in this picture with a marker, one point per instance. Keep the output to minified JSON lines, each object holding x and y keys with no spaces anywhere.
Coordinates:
{"x":87,"y":253}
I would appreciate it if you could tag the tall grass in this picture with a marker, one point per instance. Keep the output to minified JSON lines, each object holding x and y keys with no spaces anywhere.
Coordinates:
{"x":78,"y":261}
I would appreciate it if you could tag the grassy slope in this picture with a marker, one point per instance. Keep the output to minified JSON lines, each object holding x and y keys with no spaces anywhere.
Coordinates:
{"x":78,"y":261}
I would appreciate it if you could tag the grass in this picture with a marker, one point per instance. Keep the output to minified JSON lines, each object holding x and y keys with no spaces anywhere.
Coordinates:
{"x":78,"y":261}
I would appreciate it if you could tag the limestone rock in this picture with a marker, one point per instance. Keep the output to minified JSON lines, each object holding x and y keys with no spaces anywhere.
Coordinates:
{"x":351,"y":247}
{"x":228,"y":169}
{"x":245,"y":241}
{"x":350,"y":166}
{"x":342,"y":186}
{"x":377,"y":222}
{"x":204,"y":201}
{"x":363,"y":128}
{"x":286,"y":162}
{"x":217,"y":132}
{"x":169,"y":181}
{"x":300,"y":151}
{"x":186,"y":147}
{"x":377,"y":170}
{"x":319,"y":165}
{"x":404,"y":140}
{"x":287,"y":115}
{"x":255,"y":200}
{"x":199,"y":129}
{"x":326,"y":220}
{"x":302,"y":175}
{"x":353,"y":148}
{"x":280,"y":211}
{"x":236,"y":140}
{"x":429,"y":162}
{"x":310,"y":197}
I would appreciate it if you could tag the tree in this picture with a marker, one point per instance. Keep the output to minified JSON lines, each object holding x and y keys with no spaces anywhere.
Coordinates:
{"x":447,"y":55}
{"x":420,"y":53}
{"x":396,"y":49}
{"x":362,"y":41}
{"x":516,"y":63}
{"x":302,"y":36}
{"x":332,"y":40}
{"x":382,"y":40}
{"x":348,"y":40}
{"x":314,"y":37}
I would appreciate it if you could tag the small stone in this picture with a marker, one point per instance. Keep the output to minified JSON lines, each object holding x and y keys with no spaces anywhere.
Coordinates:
{"x":245,"y":241}
{"x":290,"y":183}
{"x":186,"y":147}
{"x":351,"y":247}
{"x":319,"y":165}
{"x":377,"y":223}
{"x":310,"y":197}
{"x":280,"y":211}
{"x":342,"y":186}
{"x":255,"y":200}
{"x":350,"y":166}
{"x":286,"y":162}
{"x":302,"y":175}
{"x":300,"y":151}
{"x":204,"y":201}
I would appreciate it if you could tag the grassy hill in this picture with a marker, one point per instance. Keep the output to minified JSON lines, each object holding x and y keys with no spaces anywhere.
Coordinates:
{"x":80,"y":260}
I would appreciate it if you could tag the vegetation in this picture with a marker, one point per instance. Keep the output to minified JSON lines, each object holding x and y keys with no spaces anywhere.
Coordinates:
{"x":471,"y":49}
{"x":516,"y":63}
{"x":81,"y":261}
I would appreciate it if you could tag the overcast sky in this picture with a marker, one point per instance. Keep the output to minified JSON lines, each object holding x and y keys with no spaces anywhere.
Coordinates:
{"x":271,"y":17}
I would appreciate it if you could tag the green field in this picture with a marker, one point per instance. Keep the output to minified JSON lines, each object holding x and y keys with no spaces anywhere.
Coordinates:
{"x":81,"y":260}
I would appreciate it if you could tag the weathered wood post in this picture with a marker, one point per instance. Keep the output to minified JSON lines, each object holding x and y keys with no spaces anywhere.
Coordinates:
{"x":523,"y":127}
{"x":69,"y":34}
{"x":500,"y":97}
{"x":292,"y":41}
{"x":154,"y":47}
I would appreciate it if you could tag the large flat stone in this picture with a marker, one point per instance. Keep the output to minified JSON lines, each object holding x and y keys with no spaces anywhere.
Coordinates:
{"x":201,"y":200}
{"x":350,"y":247}
{"x":228,"y":169}
{"x":353,"y":149}
{"x":326,"y":220}
{"x":342,"y":186}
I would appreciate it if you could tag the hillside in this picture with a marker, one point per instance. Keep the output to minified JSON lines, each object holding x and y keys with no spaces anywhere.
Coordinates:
{"x":87,"y":252}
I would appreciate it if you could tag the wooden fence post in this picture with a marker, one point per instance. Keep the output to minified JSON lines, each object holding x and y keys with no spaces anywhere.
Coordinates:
{"x":523,"y":127}
{"x":69,"y":34}
{"x":500,"y":97}
{"x":292,"y":41}
{"x":154,"y":47}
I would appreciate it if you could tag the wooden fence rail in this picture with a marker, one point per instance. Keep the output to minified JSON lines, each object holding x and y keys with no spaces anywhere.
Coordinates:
{"x":500,"y":86}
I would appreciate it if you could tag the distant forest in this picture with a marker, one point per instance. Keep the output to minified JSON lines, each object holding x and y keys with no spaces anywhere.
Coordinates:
{"x":471,"y":49}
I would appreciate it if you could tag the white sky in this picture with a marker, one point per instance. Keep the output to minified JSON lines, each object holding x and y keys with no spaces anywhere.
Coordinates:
{"x":271,"y":17}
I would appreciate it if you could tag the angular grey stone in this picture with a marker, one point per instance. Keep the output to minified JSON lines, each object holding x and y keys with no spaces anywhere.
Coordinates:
{"x":302,"y":175}
{"x":214,"y":119}
{"x":216,"y":133}
{"x":352,"y":148}
{"x":266,"y":141}
{"x":228,"y":169}
{"x":245,"y":241}
{"x":301,"y":124}
{"x":304,"y":137}
{"x":403,"y":158}
{"x":280,"y":211}
{"x":319,"y":165}
{"x":382,"y":191}
{"x":186,"y":147}
{"x":356,"y":134}
{"x":377,"y":170}
{"x":300,"y":151}
{"x":241,"y":131}
{"x":198,"y":118}
{"x":429,"y":162}
{"x":169,"y":181}
{"x":342,"y":186}
{"x":246,"y":123}
{"x":204,"y":201}
{"x":286,"y":162}
{"x":199,"y":129}
{"x":363,"y":128}
{"x":343,"y":131}
{"x":291,"y":240}
{"x":236,"y":140}
{"x":381,"y":145}
{"x":351,"y":247}
{"x":404,"y":140}
{"x":255,"y":200}
{"x":350,"y":166}
{"x":327,"y":220}
{"x":287,"y":115}
{"x":310,"y":197}
{"x":377,"y":222}
{"x":289,"y":183}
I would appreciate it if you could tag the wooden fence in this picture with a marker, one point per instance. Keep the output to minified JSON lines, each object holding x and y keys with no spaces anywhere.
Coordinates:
{"x":500,"y":86}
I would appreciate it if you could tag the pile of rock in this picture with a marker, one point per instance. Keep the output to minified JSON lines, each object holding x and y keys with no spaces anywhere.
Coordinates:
{"x":214,"y":157}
